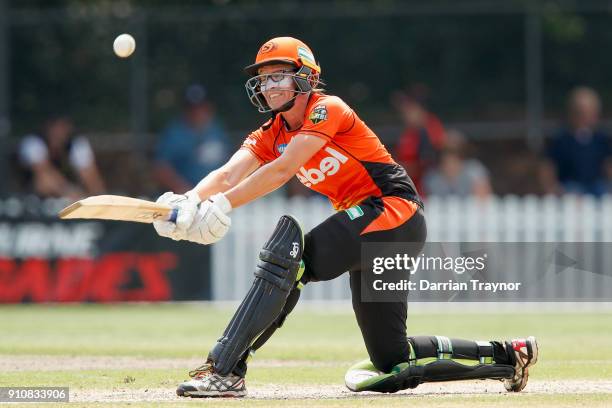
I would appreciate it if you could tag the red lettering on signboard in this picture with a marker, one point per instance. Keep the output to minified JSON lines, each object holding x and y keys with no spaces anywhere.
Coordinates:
{"x":113,"y":277}
{"x":74,"y":278}
{"x":27,"y":280}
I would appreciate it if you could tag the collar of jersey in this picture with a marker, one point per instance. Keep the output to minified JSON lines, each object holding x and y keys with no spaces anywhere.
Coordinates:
{"x":311,"y":101}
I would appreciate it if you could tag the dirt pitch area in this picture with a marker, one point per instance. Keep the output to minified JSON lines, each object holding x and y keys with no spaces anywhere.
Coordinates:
{"x":267,"y":392}
{"x":135,"y":355}
{"x":260,"y":391}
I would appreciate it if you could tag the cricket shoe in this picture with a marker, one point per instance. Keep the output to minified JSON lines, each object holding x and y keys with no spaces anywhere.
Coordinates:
{"x":526,"y":355}
{"x":205,"y":383}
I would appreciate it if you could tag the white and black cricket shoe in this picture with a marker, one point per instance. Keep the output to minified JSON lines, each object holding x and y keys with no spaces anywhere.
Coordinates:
{"x":526,"y":355}
{"x":205,"y":383}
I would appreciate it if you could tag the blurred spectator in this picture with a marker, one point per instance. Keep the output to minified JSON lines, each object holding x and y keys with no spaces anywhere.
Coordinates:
{"x":59,"y":162}
{"x":423,"y":137}
{"x":578,"y":155}
{"x":191,"y":145}
{"x":455,"y":174}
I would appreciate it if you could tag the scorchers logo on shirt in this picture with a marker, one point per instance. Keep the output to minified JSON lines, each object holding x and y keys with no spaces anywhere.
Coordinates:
{"x":318,"y":114}
{"x":328,"y":166}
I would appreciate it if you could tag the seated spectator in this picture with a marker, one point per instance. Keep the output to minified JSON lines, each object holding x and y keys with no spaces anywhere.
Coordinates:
{"x":578,"y":155}
{"x":192,"y":145}
{"x":60,"y":163}
{"x":456,"y":175}
{"x":423,"y":137}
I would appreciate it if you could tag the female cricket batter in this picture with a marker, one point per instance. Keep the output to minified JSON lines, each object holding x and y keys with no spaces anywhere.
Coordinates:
{"x":322,"y":141}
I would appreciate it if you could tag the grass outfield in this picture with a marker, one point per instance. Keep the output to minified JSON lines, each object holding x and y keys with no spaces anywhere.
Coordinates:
{"x":136,"y":354}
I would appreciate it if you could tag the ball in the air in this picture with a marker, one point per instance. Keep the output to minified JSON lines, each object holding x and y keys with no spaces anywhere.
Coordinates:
{"x":124,"y":45}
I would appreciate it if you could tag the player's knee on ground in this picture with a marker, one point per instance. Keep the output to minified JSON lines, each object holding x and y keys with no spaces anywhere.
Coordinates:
{"x":275,"y":276}
{"x":384,"y":355}
{"x":383,"y":327}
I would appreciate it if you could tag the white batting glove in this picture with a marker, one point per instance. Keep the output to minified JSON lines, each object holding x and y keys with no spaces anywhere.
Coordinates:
{"x":187,"y":206}
{"x":211,"y":221}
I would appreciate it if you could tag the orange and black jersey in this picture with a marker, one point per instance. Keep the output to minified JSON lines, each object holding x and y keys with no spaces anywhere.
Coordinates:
{"x":352,"y":166}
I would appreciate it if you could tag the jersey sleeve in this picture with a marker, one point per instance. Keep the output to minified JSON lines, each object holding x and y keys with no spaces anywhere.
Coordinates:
{"x":260,"y":144}
{"x":81,"y":154}
{"x":327,"y":117}
{"x":32,"y":151}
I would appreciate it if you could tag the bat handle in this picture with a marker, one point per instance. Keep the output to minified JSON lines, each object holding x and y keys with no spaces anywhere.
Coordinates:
{"x":173,"y":214}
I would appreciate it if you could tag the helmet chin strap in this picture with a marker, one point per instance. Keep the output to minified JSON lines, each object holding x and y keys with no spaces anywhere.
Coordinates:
{"x":287,"y":105}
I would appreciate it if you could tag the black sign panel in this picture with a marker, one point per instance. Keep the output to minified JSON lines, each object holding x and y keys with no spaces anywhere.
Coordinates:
{"x":44,"y":259}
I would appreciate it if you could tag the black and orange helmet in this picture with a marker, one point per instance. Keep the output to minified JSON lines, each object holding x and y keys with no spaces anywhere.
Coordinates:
{"x":283,"y":50}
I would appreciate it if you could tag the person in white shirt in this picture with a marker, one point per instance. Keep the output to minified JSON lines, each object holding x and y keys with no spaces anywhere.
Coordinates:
{"x":60,"y":163}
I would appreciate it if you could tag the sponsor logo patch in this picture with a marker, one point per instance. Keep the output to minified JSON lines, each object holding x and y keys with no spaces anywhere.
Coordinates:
{"x":318,"y":114}
{"x":281,"y":147}
{"x":306,"y":56}
{"x":354,"y":212}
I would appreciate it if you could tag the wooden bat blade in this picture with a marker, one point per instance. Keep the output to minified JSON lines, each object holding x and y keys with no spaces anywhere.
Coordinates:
{"x":118,"y":208}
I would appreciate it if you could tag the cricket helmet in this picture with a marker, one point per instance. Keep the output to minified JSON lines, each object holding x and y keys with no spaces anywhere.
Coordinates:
{"x":283,"y":50}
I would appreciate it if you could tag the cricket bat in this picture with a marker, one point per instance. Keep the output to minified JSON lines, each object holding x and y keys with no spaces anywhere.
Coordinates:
{"x":119,"y":208}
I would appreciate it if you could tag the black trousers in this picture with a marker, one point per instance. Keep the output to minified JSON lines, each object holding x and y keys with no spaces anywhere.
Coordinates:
{"x":334,"y":247}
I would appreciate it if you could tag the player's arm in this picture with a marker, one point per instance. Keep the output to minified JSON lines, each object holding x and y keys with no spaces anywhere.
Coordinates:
{"x":50,"y":182}
{"x":236,"y":183}
{"x":276,"y":173}
{"x":237,"y":168}
{"x":82,"y":160}
{"x":92,"y":180}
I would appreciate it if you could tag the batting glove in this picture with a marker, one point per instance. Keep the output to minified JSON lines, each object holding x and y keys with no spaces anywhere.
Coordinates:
{"x":187,"y":206}
{"x":211,"y":221}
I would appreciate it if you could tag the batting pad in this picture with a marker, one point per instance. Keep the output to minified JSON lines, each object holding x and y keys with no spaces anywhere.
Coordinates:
{"x":363,"y":376}
{"x":275,"y":276}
